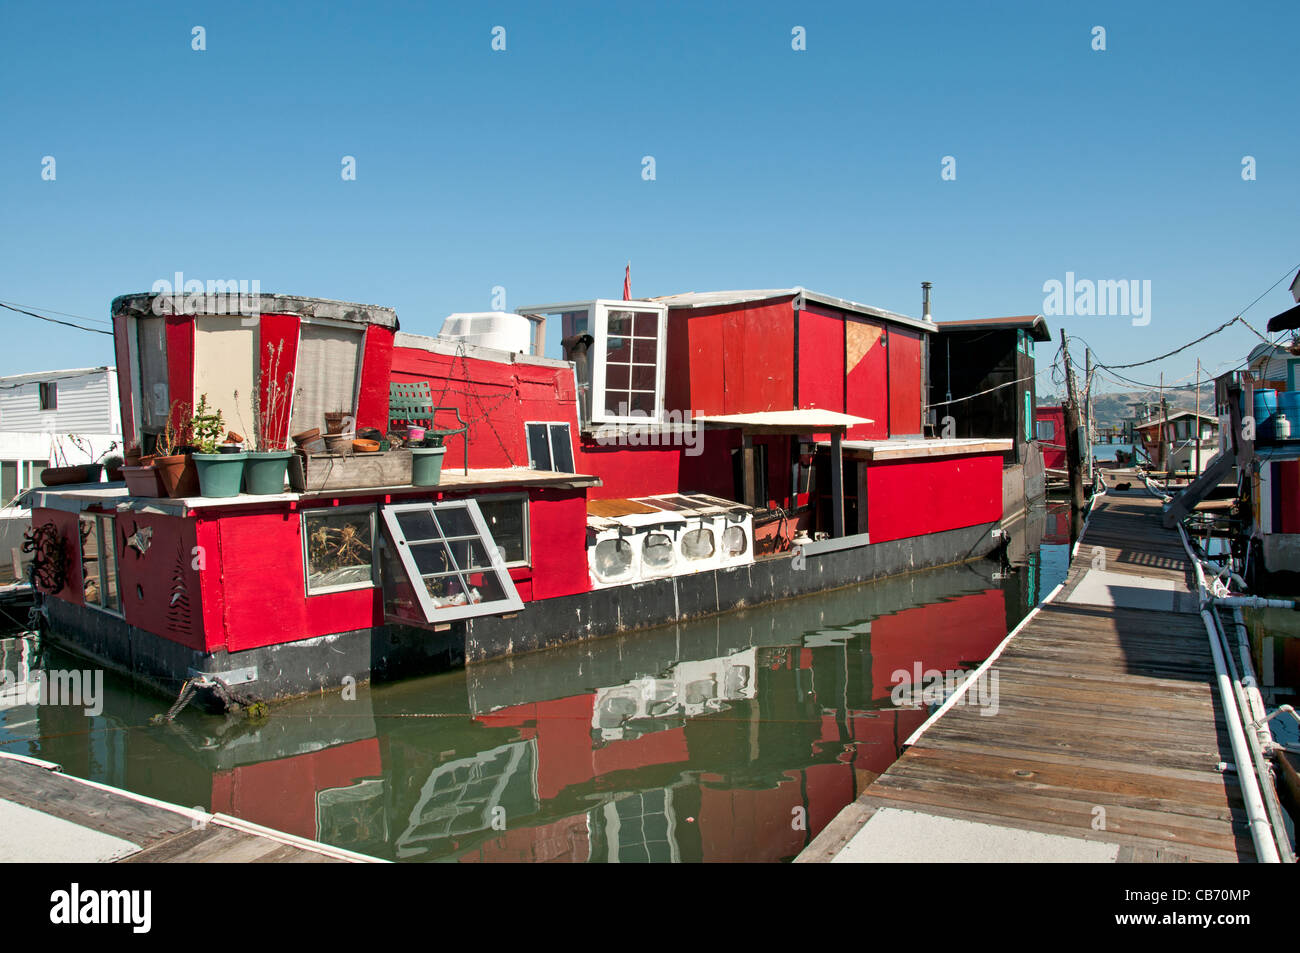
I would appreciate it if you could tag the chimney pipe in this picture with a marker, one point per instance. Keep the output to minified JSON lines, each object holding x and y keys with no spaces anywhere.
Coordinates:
{"x":925,"y":302}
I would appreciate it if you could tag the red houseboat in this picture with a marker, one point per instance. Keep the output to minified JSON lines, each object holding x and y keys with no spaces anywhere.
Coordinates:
{"x":690,"y":455}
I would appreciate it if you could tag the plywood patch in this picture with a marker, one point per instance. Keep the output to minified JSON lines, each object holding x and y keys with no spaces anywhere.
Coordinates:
{"x":860,"y":338}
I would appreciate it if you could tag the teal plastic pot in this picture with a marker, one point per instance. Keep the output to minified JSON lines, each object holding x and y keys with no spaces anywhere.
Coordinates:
{"x":265,"y":472}
{"x":426,"y":465}
{"x":220,"y":473}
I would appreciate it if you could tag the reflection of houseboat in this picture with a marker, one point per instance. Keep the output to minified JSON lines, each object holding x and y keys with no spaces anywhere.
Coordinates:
{"x":695,"y":453}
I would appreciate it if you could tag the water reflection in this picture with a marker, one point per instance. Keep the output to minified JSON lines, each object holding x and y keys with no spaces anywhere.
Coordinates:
{"x":731,"y":739}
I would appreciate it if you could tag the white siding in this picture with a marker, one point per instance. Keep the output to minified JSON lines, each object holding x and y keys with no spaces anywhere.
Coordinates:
{"x":86,"y":404}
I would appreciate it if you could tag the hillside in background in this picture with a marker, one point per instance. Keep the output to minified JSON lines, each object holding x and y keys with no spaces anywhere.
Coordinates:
{"x":1112,"y":408}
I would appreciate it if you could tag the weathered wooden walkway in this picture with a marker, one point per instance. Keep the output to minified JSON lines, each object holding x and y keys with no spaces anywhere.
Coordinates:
{"x":1108,"y":737}
{"x":50,"y":817}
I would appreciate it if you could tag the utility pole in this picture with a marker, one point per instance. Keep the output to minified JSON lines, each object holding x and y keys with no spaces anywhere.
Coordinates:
{"x":1089,"y":437}
{"x":1197,"y":425}
{"x":1072,"y":462}
{"x":1164,"y":424}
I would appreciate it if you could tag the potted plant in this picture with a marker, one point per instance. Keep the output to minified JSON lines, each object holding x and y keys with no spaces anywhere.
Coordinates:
{"x":268,"y":460}
{"x":426,"y":461}
{"x":220,"y":474}
{"x":173,"y":460}
{"x":336,"y":420}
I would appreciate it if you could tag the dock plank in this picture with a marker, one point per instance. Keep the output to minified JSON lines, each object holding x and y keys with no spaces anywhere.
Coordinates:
{"x":1106,"y":727}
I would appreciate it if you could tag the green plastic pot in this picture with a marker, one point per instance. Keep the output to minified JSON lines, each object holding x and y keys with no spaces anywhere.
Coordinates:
{"x":219,"y":473}
{"x":265,"y":473}
{"x":426,"y":465}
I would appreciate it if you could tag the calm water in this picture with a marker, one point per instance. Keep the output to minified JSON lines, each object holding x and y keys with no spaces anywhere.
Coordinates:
{"x":731,"y":739}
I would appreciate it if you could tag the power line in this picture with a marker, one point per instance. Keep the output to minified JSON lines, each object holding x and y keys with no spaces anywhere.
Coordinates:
{"x":63,"y":314}
{"x":68,"y":324}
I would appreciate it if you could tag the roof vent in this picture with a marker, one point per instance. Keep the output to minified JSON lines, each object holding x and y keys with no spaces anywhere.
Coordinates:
{"x":925,"y":302}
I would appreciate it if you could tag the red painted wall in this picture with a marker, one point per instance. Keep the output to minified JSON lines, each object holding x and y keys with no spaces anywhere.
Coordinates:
{"x":376,"y":374}
{"x":66,"y":524}
{"x":180,"y":367}
{"x":914,"y":497}
{"x":495,"y":399}
{"x":867,"y":387}
{"x":821,"y":359}
{"x":161,"y":590}
{"x":731,"y":360}
{"x":279,"y":331}
{"x":905,"y":385}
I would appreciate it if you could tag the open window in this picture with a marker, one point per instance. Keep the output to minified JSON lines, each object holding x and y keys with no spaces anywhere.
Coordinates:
{"x":441,"y":563}
{"x":618,"y":351}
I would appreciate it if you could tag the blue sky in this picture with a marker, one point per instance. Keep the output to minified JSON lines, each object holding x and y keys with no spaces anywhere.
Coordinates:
{"x":773,"y":167}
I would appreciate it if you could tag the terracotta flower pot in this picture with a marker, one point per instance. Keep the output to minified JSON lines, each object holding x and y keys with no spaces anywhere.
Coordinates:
{"x":178,"y":475}
{"x":334,"y":421}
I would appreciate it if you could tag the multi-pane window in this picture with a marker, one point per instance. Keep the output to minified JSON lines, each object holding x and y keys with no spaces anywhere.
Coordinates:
{"x":631,"y":363}
{"x":550,"y":447}
{"x":618,"y":352}
{"x":440,"y":562}
{"x":338,"y":548}
{"x":99,"y":563}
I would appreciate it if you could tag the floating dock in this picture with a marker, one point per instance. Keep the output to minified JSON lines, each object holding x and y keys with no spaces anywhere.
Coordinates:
{"x":1104,"y":741}
{"x":50,"y":817}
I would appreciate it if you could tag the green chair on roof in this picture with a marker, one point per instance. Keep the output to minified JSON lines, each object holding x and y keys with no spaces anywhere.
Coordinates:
{"x":411,"y":403}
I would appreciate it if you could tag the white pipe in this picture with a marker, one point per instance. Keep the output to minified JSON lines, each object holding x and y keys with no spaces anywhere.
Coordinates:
{"x":1258,"y":710}
{"x":1261,"y":832}
{"x":1253,"y":602}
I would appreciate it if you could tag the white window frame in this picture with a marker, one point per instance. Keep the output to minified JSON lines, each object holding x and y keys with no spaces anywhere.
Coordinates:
{"x":550,"y":447}
{"x":306,"y":555}
{"x":600,"y":327}
{"x":598,"y":324}
{"x":528,"y":529}
{"x":436,"y":614}
{"x":99,"y":520}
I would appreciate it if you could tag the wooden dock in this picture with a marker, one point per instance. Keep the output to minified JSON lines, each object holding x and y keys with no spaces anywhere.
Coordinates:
{"x":50,"y":817}
{"x":1108,"y":742}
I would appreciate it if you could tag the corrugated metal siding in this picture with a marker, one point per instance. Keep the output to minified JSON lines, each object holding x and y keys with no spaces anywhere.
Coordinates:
{"x":85,"y":404}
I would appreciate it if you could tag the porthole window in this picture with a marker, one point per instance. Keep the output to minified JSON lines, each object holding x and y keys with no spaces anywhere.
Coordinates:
{"x":658,"y":551}
{"x":698,"y":544}
{"x":734,"y":542}
{"x":613,"y":558}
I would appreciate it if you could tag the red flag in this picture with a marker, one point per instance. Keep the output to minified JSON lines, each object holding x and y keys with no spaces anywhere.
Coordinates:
{"x":627,"y":283}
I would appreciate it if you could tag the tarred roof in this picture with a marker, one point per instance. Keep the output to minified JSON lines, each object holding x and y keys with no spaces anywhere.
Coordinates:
{"x":1034,"y":323}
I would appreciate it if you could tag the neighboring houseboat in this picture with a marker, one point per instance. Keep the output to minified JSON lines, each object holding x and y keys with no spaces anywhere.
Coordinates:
{"x":694,"y":454}
{"x":1259,"y":411}
{"x":1183,"y":442}
{"x":982,"y":385}
{"x":1049,"y":431}
{"x":50,"y":419}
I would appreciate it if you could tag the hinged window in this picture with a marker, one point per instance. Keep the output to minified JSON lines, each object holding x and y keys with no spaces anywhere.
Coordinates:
{"x":441,"y":563}
{"x":99,"y":563}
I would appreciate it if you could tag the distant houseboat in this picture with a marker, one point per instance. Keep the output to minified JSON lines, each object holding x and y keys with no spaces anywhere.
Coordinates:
{"x":693,"y":454}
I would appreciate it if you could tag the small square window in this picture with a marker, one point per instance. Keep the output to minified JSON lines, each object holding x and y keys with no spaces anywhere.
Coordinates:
{"x":49,"y":395}
{"x":338,"y":547}
{"x":1046,"y":430}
